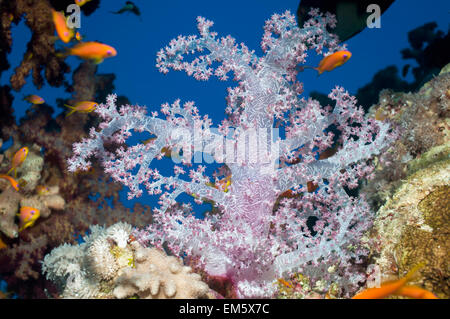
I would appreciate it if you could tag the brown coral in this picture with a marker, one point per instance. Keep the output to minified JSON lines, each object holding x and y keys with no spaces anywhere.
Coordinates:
{"x":11,"y":201}
{"x":422,"y":121}
{"x":41,"y":54}
{"x":413,"y":227}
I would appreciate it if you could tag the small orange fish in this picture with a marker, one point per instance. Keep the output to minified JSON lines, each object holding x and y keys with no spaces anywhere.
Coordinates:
{"x":42,"y":190}
{"x":18,"y":158}
{"x":34,"y":99}
{"x":332,"y":61}
{"x":64,"y":33}
{"x":92,"y":51}
{"x":284,"y":282}
{"x":27,"y":217}
{"x":82,"y":107}
{"x":387,"y":288}
{"x":78,"y":36}
{"x":415,"y":292}
{"x":11,"y":180}
{"x":81,"y":3}
{"x":222,"y":184}
{"x":2,"y":246}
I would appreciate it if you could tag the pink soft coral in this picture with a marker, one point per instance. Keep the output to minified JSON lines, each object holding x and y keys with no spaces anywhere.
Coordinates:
{"x":248,"y":242}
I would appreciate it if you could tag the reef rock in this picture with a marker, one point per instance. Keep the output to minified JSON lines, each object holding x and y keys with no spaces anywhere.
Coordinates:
{"x":413,"y":226}
{"x":111,"y":264}
{"x":28,"y":176}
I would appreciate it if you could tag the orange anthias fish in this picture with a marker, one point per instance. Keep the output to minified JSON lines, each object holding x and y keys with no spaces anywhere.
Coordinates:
{"x":27,"y":216}
{"x":42,"y":190}
{"x":415,"y":292}
{"x":11,"y":180}
{"x":64,"y":33}
{"x":284,"y":282}
{"x":2,"y":246}
{"x":92,"y":51}
{"x":18,"y":159}
{"x":396,"y":287}
{"x":81,"y":3}
{"x":222,"y":184}
{"x":82,"y":107}
{"x":332,"y":61}
{"x":34,"y":99}
{"x":78,"y":36}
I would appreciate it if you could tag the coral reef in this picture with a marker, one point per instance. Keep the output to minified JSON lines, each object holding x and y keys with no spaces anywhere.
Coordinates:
{"x":413,"y":226}
{"x":422,"y":120}
{"x":90,"y":197}
{"x":412,"y":192}
{"x":430,"y":59}
{"x":158,"y":276}
{"x":29,"y":174}
{"x":41,"y":53}
{"x":110,"y":264}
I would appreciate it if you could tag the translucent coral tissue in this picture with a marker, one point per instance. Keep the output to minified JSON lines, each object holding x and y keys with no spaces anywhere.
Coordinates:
{"x":254,"y":240}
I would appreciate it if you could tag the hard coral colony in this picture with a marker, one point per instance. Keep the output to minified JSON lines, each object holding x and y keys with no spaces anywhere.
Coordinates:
{"x":250,"y":243}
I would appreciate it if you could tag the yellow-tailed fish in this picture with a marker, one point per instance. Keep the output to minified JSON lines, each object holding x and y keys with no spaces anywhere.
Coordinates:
{"x":284,"y":282}
{"x":387,"y":288}
{"x":34,"y":99}
{"x":81,"y":3}
{"x":332,"y":61}
{"x":11,"y":180}
{"x":28,"y":56}
{"x":222,"y":184}
{"x":42,"y":190}
{"x":94,"y":51}
{"x":17,"y":160}
{"x":27,"y":217}
{"x":82,"y":107}
{"x":78,"y":36}
{"x":63,"y":31}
